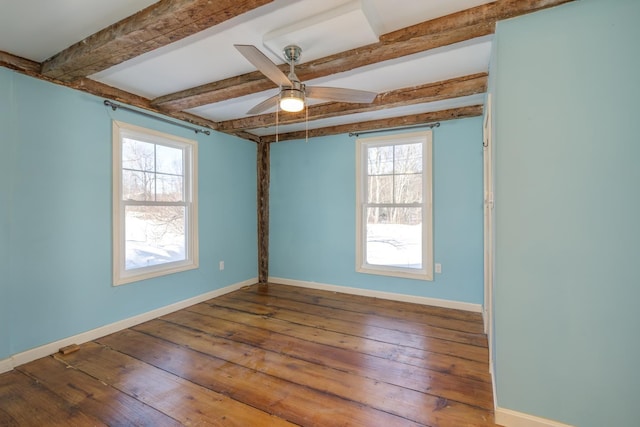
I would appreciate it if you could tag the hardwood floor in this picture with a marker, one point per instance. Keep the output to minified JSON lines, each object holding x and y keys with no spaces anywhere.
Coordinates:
{"x":270,"y":356}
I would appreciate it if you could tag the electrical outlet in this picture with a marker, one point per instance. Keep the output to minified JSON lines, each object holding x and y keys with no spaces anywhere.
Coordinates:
{"x":221,"y":265}
{"x":438,"y":268}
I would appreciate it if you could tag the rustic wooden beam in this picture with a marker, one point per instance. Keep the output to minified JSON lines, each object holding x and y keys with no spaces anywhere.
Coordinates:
{"x":18,"y":63}
{"x":245,"y":135}
{"x":484,"y":14}
{"x":447,"y":89}
{"x":461,"y":26}
{"x":31,"y":68}
{"x":151,"y":28}
{"x":390,"y":123}
{"x":263,"y":211}
{"x":209,"y":93}
{"x":511,"y":8}
{"x":110,"y":92}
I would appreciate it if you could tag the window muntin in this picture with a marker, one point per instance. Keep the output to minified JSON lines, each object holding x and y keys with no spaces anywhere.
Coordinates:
{"x":155,"y":206}
{"x":394,"y":232}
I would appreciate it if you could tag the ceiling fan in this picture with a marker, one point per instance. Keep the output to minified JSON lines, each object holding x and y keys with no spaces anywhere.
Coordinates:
{"x":293,"y":93}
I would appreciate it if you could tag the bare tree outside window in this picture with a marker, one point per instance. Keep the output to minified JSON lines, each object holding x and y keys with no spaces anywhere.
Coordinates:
{"x":394,"y":197}
{"x":153,"y":194}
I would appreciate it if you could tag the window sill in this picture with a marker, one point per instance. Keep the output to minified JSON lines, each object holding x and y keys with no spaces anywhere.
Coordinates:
{"x":396,"y":272}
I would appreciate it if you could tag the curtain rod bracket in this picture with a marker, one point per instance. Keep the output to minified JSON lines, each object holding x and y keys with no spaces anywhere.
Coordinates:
{"x":115,"y":106}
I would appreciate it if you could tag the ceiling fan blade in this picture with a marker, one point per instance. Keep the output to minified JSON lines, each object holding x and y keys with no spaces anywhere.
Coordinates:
{"x":265,"y":105}
{"x":264,"y":64}
{"x":340,"y":94}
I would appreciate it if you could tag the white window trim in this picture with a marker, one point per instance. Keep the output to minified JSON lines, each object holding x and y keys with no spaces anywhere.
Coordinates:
{"x":120,"y":275}
{"x":426,"y":273}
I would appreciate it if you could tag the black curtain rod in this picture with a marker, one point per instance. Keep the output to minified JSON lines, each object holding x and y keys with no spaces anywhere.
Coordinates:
{"x":427,"y":125}
{"x":115,"y":106}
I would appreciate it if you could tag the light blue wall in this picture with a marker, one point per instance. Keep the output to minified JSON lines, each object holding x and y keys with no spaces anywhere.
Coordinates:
{"x":312,"y":216}
{"x":55,"y":217}
{"x":6,"y":166}
{"x":568,"y":213}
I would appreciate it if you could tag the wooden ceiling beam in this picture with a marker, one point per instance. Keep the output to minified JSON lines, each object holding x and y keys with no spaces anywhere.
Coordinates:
{"x":444,"y":31}
{"x":448,"y":89}
{"x":105,"y":91}
{"x":246,"y":135}
{"x":18,"y":63}
{"x":151,"y":28}
{"x":32,"y":68}
{"x":389,"y":123}
{"x":506,"y":9}
{"x":484,"y":14}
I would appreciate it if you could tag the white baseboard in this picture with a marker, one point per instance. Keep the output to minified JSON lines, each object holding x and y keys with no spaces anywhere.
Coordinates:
{"x":477,"y":308}
{"x":492,"y":370}
{"x":509,"y":418}
{"x":47,"y":349}
{"x":5,"y":365}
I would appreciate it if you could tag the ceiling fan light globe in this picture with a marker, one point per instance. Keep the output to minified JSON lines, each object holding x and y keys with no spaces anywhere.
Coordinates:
{"x":292,"y":105}
{"x":291,"y":100}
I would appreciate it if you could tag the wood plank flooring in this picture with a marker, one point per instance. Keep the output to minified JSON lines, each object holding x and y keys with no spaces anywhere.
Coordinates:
{"x":267,"y":356}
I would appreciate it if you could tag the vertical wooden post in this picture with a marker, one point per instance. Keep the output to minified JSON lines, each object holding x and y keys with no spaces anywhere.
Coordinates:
{"x":263,"y":212}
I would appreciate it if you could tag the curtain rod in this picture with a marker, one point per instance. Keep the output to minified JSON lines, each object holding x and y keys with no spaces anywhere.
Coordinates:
{"x":115,"y":106}
{"x":427,"y":125}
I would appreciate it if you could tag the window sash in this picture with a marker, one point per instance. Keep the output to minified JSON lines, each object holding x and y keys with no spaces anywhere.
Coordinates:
{"x":393,"y":205}
{"x":153,"y":203}
{"x":170,"y":241}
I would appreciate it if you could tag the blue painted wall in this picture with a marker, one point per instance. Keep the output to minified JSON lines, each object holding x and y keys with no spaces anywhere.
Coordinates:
{"x":55,"y":216}
{"x":568,"y":213}
{"x":312,"y":216}
{"x":6,"y":166}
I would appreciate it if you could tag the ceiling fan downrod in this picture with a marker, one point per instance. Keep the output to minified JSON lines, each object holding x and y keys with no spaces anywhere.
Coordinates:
{"x":292,"y":55}
{"x":292,"y":98}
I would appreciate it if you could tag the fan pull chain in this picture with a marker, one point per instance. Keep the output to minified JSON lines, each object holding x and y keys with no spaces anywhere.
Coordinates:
{"x":277,"y":111}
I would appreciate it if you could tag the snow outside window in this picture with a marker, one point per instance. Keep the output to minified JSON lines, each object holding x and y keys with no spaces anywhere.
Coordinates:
{"x":394,"y":212}
{"x":154,"y":203}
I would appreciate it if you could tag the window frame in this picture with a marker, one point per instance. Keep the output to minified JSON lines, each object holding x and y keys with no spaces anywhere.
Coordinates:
{"x":189,"y":148}
{"x":362,"y":145}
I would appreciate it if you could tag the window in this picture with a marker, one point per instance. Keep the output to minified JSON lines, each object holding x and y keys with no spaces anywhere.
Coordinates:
{"x":155,"y":226}
{"x":394,"y":213}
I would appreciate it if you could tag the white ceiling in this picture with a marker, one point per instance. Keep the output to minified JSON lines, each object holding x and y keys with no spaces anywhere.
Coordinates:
{"x":38,"y":29}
